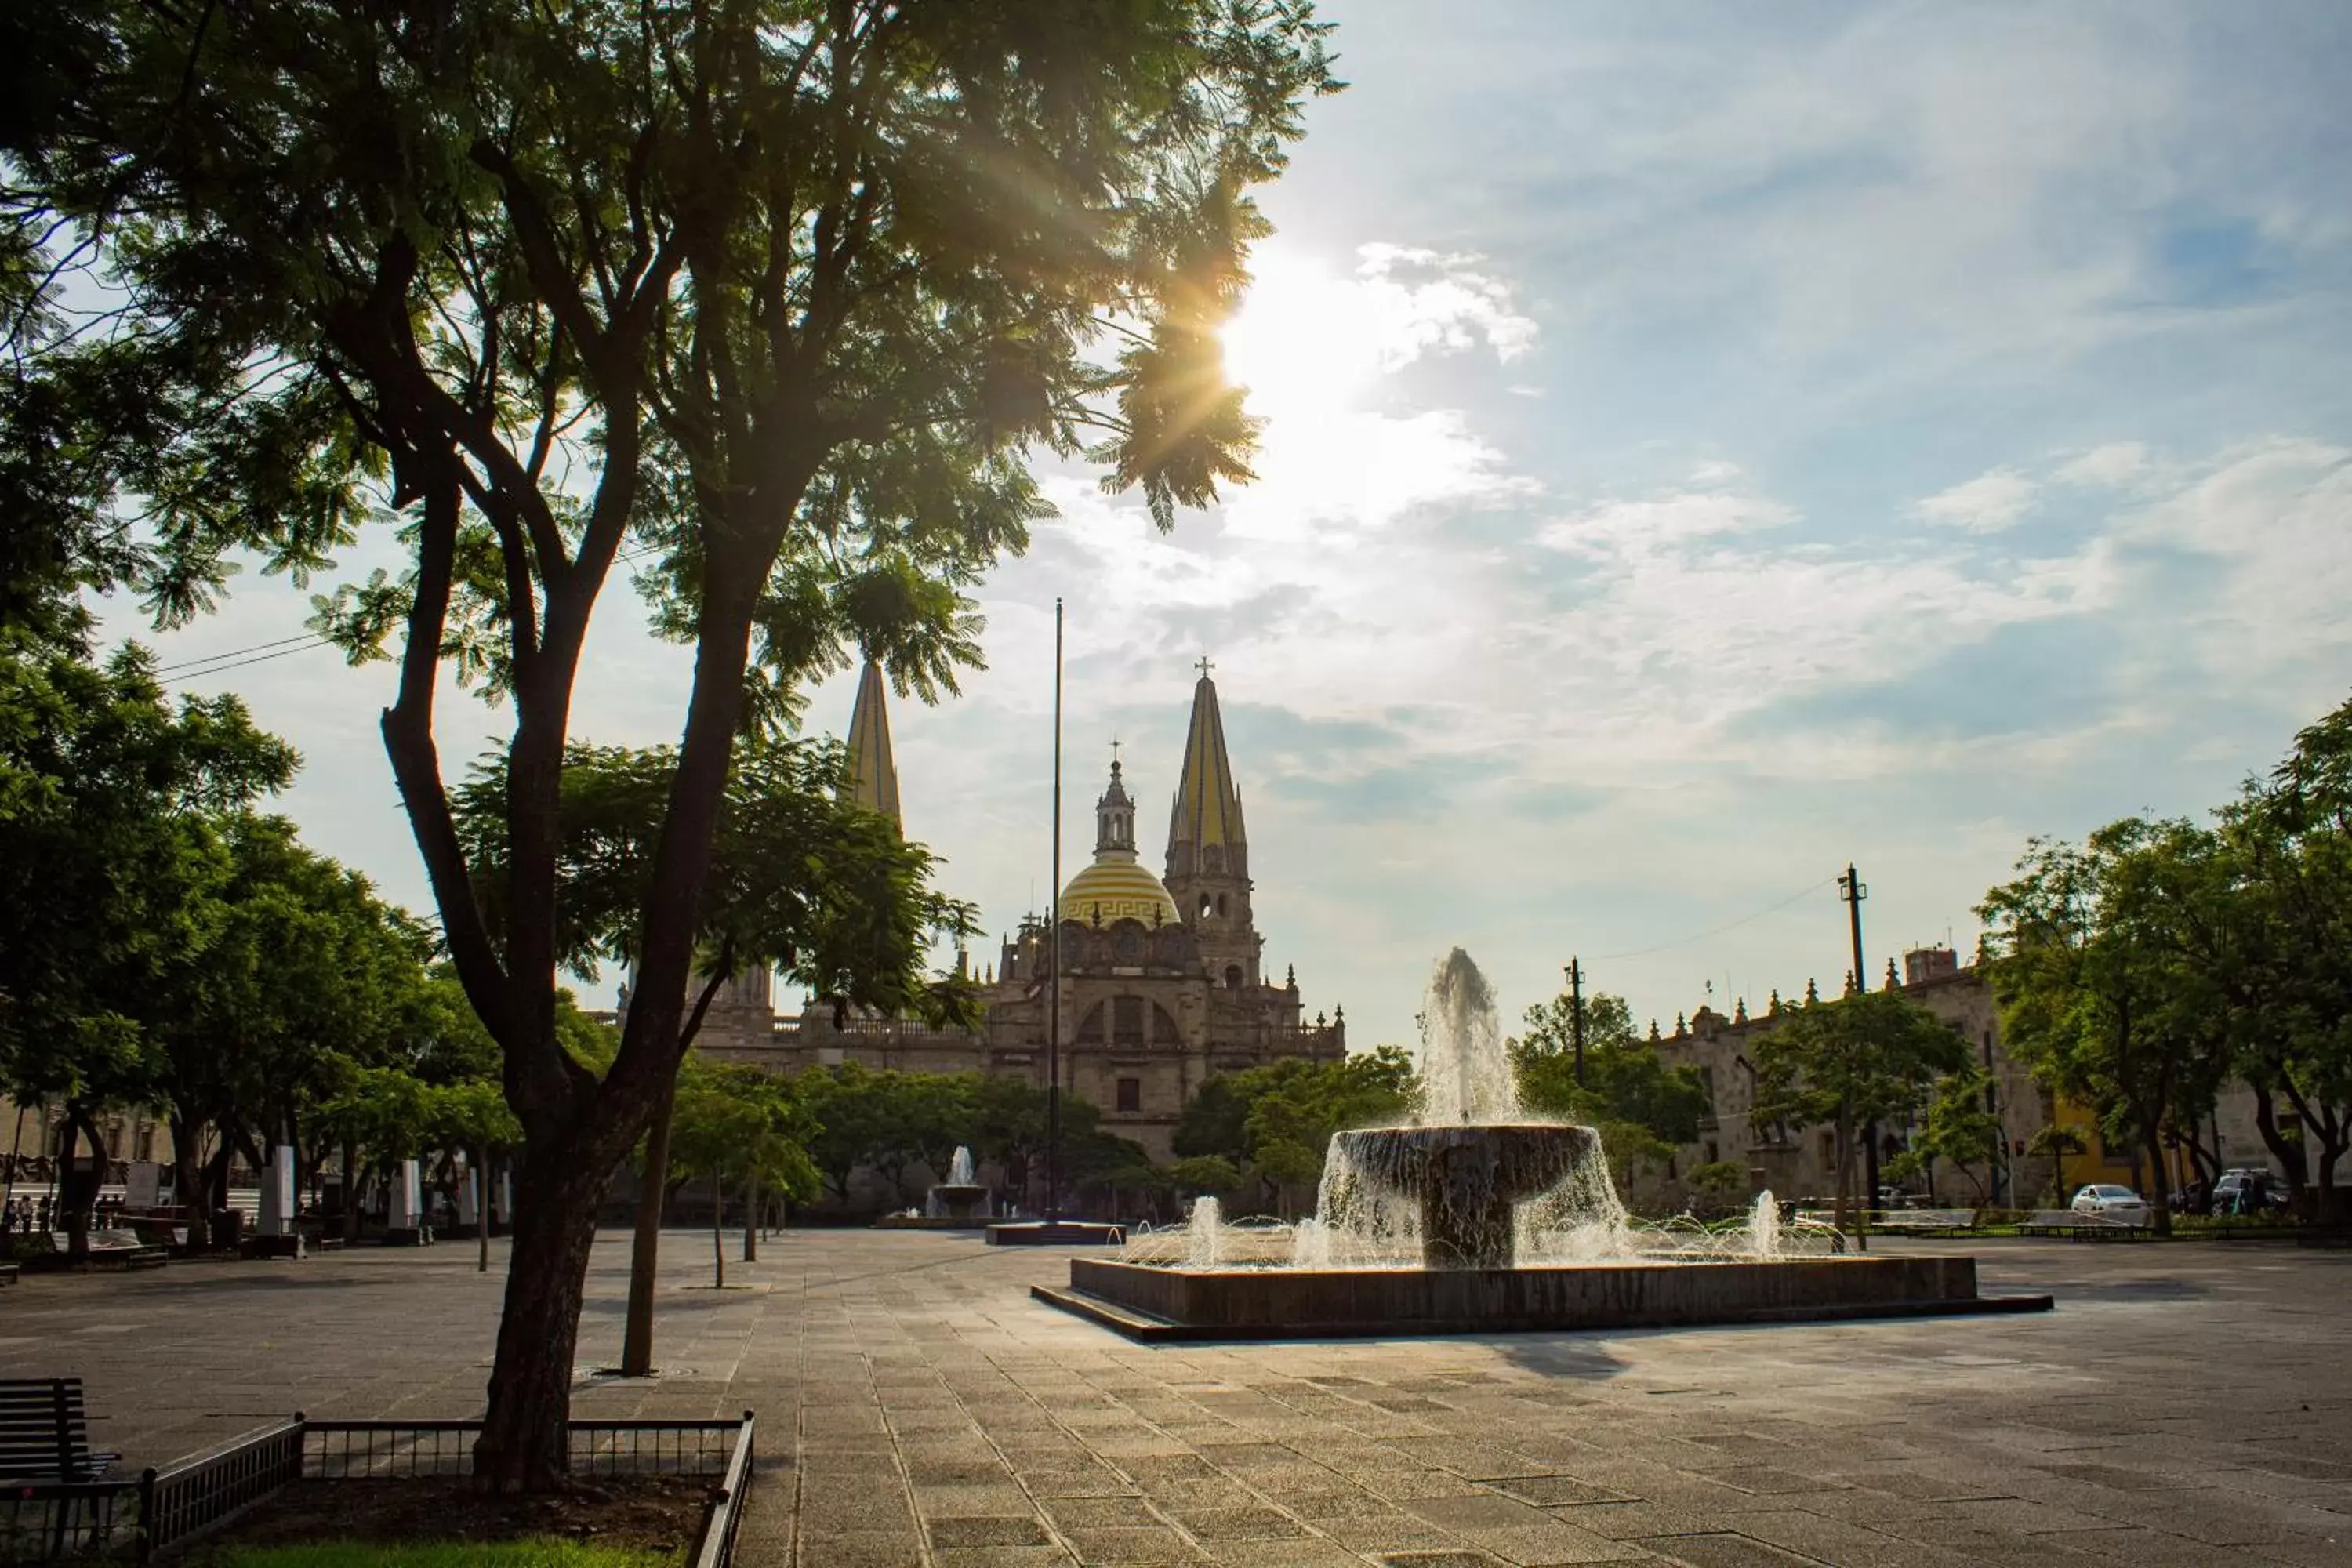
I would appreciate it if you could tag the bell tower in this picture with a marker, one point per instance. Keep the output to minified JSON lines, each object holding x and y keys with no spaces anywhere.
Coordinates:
{"x":1208,"y":850}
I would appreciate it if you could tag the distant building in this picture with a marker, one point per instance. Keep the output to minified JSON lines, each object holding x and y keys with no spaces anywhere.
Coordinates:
{"x":1803,"y":1162}
{"x":1163,"y":982}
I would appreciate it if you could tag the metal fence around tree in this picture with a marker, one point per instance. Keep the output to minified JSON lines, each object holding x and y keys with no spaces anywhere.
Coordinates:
{"x":163,"y":1510}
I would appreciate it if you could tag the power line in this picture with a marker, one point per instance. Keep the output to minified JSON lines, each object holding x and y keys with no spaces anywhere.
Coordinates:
{"x":235,"y":653}
{"x":1718,"y":930}
{"x":257,"y":659}
{"x":190,"y":666}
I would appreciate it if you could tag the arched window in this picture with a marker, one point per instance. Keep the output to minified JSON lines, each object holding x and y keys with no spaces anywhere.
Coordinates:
{"x":1208,"y":906}
{"x":1221,"y":906}
{"x":1232,"y":976}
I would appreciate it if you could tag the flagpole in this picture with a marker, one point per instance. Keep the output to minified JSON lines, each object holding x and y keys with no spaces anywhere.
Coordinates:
{"x":1054,"y":964}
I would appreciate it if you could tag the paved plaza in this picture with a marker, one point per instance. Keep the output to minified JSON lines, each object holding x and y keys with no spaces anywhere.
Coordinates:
{"x":2184,"y":1404}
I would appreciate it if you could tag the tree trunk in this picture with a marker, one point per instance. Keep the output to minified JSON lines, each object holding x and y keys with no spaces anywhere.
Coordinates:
{"x":480,"y":1176}
{"x":2288,"y":1152}
{"x":351,"y":1190}
{"x":644,"y":1247}
{"x":188,"y":1176}
{"x":78,"y":1188}
{"x":752,"y":1217}
{"x":2159,"y":1206}
{"x":523,"y":1446}
{"x":2335,"y":1133}
{"x":717,"y":1231}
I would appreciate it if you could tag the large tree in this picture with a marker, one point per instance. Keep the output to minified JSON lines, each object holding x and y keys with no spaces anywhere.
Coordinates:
{"x":779,"y":295}
{"x":1872,"y":1055}
{"x":803,"y":882}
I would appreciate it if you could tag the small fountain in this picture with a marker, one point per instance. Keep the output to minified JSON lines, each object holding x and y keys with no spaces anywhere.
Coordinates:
{"x":960,"y":1196}
{"x":1479,"y":1217}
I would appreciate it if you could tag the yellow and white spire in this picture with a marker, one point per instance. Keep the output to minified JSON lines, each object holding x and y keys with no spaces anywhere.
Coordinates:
{"x":1204,"y":829}
{"x":873,"y":771}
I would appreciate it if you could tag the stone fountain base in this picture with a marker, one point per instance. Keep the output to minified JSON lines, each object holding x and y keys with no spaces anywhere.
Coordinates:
{"x":1148,"y":1303}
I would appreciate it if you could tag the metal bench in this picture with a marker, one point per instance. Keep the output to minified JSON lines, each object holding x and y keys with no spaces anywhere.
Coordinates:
{"x":44,"y":1433}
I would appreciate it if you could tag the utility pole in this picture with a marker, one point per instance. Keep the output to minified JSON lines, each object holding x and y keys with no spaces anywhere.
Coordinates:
{"x":1054,"y":964}
{"x":1576,"y":1014}
{"x":1850,"y":889}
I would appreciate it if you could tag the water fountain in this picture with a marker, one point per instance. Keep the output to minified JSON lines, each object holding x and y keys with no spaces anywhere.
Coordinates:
{"x":960,"y":1196}
{"x":1477,"y":1215}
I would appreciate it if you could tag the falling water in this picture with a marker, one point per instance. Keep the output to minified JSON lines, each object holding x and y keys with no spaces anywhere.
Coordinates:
{"x":1764,"y":1227}
{"x":1582,"y":1220}
{"x":1204,"y":1233}
{"x":960,"y":1171}
{"x":1360,"y":1222}
{"x":1465,"y":1073}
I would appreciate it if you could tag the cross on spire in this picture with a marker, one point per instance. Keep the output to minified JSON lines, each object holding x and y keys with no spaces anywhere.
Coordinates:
{"x":1204,"y":667}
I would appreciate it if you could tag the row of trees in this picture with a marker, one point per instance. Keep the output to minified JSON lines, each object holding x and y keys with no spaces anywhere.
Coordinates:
{"x":164,"y":943}
{"x":893,"y":1123}
{"x":2142,"y":970}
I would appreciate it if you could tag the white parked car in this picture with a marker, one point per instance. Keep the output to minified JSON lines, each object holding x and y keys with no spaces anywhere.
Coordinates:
{"x":2120,"y":1205}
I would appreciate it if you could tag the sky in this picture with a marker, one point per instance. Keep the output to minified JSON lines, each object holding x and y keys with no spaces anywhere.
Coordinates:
{"x":1705,"y":445}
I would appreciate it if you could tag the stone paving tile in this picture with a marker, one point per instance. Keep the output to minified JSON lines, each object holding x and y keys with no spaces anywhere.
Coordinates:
{"x":1375,"y":1532}
{"x":1021,"y":1530}
{"x":1236,"y":1524}
{"x":1724,"y":1552}
{"x":905,"y":1382}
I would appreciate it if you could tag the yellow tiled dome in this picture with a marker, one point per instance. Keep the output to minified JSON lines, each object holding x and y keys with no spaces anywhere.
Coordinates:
{"x":1111,"y":891}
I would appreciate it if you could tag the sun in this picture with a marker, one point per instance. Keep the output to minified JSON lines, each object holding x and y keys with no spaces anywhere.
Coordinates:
{"x":1298,"y":344}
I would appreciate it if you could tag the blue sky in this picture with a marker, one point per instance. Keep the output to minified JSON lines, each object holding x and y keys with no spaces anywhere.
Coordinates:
{"x":1706,"y":445}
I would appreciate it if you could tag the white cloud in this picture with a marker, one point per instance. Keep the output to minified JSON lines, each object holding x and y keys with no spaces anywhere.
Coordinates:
{"x":2274,"y":520}
{"x":1986,"y":504}
{"x":1622,"y":528}
{"x":1702,"y":606}
{"x":2112,"y":466}
{"x":1420,"y":301}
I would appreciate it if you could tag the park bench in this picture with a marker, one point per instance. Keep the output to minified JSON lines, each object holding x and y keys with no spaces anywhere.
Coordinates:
{"x":2065,"y":1224}
{"x":43,"y":1434}
{"x":8,"y":1274}
{"x":103,"y":1253}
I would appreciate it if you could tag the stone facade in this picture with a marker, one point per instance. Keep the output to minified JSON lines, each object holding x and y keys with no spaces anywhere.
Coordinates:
{"x":1161,"y":982}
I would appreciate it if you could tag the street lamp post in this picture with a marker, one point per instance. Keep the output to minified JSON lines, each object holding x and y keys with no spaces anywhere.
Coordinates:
{"x":1054,"y":964}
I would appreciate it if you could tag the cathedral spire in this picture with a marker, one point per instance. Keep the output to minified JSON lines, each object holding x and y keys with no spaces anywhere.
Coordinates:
{"x":873,"y":772}
{"x":1204,"y":829}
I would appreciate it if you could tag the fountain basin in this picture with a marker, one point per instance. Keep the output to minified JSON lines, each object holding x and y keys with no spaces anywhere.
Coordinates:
{"x":958,"y":1200}
{"x":1148,"y":1303}
{"x":1466,"y":1180}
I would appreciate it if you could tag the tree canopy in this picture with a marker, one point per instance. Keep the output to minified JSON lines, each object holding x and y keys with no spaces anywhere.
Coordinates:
{"x":776,"y":298}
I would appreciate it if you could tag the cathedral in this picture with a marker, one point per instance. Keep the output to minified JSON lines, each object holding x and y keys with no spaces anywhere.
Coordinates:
{"x":1163,"y":982}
